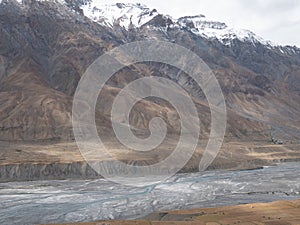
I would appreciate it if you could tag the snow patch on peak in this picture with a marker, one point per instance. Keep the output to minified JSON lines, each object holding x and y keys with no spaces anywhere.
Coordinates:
{"x":200,"y":22}
{"x":120,"y":14}
{"x":210,"y":29}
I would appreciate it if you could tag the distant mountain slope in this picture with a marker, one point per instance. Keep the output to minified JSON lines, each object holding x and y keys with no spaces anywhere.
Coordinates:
{"x":45,"y":47}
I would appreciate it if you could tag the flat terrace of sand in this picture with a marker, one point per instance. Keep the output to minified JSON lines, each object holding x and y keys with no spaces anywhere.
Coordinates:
{"x":233,"y":155}
{"x":276,"y":213}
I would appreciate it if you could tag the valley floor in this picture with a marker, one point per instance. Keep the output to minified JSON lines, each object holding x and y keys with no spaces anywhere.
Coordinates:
{"x":276,"y":213}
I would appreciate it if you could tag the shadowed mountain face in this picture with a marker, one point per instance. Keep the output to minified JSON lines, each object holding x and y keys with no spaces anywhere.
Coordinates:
{"x":45,"y":47}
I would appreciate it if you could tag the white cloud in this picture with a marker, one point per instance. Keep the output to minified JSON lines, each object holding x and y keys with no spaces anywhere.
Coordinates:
{"x":275,"y":20}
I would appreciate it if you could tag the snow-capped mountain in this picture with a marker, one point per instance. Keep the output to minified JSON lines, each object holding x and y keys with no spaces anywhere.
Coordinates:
{"x":212,"y":29}
{"x":137,"y":15}
{"x":120,"y":14}
{"x":46,"y":45}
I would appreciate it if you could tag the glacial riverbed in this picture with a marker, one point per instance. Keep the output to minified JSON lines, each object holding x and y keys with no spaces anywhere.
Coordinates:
{"x":88,"y":200}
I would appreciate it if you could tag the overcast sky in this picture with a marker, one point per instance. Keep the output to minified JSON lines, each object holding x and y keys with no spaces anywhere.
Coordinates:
{"x":275,"y":20}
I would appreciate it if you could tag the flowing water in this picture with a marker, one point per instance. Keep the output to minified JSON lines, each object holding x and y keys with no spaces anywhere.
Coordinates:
{"x":89,"y":200}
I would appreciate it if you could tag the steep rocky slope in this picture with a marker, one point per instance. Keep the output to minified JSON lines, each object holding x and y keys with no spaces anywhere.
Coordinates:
{"x":45,"y":47}
{"x":44,"y":50}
